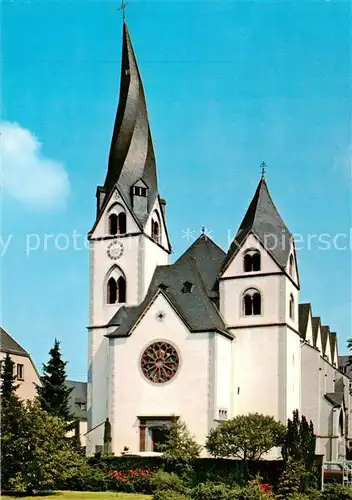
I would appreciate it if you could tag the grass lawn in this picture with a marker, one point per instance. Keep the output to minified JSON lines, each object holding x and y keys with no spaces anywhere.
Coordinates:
{"x":85,"y":495}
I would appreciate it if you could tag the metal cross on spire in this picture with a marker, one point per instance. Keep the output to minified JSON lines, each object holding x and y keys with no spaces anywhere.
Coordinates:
{"x":263,"y":166}
{"x":123,"y":8}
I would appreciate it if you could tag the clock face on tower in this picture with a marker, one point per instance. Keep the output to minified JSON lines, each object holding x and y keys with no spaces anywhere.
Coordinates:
{"x":115,"y":250}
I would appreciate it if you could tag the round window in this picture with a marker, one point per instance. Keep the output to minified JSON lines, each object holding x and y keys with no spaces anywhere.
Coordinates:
{"x":159,"y":362}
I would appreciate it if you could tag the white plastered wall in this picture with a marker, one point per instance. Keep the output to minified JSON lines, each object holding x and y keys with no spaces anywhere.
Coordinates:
{"x":186,"y":395}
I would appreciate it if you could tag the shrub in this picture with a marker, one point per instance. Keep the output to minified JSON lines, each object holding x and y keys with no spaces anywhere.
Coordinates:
{"x":132,"y":480}
{"x":169,"y":495}
{"x":212,"y":491}
{"x":168,"y":481}
{"x":337,"y":492}
{"x":84,"y":478}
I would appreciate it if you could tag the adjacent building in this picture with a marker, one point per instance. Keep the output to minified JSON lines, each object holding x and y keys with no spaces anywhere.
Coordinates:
{"x":25,"y":370}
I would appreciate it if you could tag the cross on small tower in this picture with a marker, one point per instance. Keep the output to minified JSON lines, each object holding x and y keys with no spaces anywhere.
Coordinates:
{"x":123,"y":8}
{"x":263,"y":166}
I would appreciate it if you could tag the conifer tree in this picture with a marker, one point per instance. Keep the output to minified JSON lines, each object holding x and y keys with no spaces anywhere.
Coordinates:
{"x":53,"y":394}
{"x":8,"y":386}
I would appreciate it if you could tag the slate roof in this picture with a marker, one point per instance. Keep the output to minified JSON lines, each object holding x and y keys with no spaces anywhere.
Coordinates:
{"x":335,"y":398}
{"x":9,"y":345}
{"x":78,"y":395}
{"x":325,"y":333}
{"x":333,"y":344}
{"x":315,"y":324}
{"x":131,"y":153}
{"x":199,"y":265}
{"x":265,"y":222}
{"x":303,"y":315}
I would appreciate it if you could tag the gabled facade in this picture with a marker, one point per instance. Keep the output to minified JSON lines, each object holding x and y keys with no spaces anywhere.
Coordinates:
{"x":24,"y":368}
{"x":215,"y":334}
{"x":325,"y":393}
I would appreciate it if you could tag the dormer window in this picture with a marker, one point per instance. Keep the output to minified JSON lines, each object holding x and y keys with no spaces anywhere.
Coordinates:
{"x":251,"y":261}
{"x":140,"y":191}
{"x":187,"y":287}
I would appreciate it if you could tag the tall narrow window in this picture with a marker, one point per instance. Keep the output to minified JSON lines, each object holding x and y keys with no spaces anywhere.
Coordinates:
{"x":155,"y":231}
{"x":113,"y":225}
{"x":256,"y":261}
{"x":251,"y":261}
{"x":112,"y":291}
{"x":20,"y":372}
{"x":247,"y":305}
{"x":247,"y":263}
{"x":292,"y":307}
{"x":252,"y":303}
{"x":121,"y":223}
{"x":256,"y":303}
{"x":121,"y":290}
{"x":291,"y":267}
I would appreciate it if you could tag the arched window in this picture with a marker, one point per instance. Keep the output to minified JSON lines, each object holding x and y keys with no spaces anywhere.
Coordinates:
{"x":292,"y":307}
{"x":341,"y":426}
{"x":155,"y":231}
{"x":117,"y":223}
{"x":292,"y":262}
{"x":113,"y":224}
{"x":252,"y":303}
{"x":121,"y":223}
{"x":251,"y":261}
{"x":112,"y":291}
{"x":116,"y":291}
{"x":121,"y":290}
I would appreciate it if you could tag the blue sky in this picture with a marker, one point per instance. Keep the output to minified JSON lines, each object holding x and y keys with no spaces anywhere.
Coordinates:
{"x":228,"y":84}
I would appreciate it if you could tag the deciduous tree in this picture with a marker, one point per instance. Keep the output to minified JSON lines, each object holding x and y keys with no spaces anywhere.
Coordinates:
{"x":246,"y":437}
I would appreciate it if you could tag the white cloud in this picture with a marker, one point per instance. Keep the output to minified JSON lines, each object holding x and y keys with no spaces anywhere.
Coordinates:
{"x":29,"y":177}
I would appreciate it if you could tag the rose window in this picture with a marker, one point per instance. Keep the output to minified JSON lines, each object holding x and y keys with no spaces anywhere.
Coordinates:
{"x":159,"y":362}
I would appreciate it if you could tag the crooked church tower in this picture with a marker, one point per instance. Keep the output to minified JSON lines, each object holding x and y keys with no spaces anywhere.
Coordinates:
{"x":129,"y":237}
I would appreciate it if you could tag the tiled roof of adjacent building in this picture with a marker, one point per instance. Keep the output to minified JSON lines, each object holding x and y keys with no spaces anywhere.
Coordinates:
{"x":199,"y":266}
{"x":264,"y":221}
{"x":78,"y":399}
{"x":8,"y":344}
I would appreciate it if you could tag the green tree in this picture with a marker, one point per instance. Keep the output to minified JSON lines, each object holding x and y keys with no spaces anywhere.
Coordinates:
{"x":8,"y":386}
{"x":179,"y":443}
{"x":53,"y":394}
{"x":246,"y":437}
{"x":299,"y":441}
{"x":349,"y":346}
{"x":35,"y":452}
{"x":290,"y":480}
{"x":11,"y":413}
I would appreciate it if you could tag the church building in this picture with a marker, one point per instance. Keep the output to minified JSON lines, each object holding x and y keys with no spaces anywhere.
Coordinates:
{"x":215,"y":334}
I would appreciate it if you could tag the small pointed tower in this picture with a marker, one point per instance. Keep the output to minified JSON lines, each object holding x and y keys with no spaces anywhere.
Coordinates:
{"x":129,"y":237}
{"x":259,"y":295}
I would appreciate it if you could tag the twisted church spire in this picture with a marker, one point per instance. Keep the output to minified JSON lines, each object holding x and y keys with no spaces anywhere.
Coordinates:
{"x":131,"y":153}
